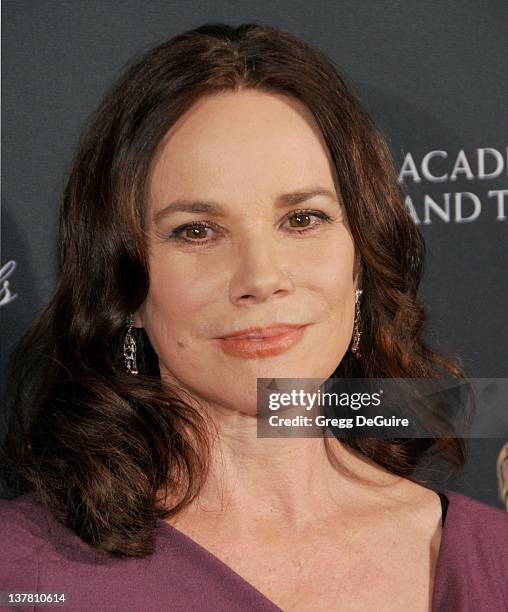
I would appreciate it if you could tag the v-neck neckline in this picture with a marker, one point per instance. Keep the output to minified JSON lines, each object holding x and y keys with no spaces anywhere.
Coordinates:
{"x":167,"y":528}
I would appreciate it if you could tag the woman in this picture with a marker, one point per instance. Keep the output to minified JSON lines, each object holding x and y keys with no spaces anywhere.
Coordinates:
{"x":232,"y":214}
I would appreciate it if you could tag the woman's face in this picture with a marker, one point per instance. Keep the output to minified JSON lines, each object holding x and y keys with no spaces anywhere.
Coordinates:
{"x":229,"y":250}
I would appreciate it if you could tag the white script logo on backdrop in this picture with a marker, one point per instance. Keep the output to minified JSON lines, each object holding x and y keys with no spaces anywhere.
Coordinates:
{"x":484,"y":164}
{"x":5,"y":293}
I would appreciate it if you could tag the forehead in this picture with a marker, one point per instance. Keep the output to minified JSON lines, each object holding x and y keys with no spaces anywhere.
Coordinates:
{"x":240,"y":143}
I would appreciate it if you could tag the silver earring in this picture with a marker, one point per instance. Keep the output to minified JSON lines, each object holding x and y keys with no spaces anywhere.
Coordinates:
{"x":129,"y":348}
{"x":357,"y":332}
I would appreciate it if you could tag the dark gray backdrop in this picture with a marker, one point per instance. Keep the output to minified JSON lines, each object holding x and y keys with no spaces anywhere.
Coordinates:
{"x":433,"y":75}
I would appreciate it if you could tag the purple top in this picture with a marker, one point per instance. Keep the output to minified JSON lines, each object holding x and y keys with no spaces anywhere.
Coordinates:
{"x":39,"y":554}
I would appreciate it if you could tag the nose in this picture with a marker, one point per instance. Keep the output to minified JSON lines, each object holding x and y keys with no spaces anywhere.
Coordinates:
{"x":260,"y":273}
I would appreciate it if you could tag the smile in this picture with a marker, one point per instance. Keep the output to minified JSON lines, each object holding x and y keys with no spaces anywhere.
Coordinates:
{"x":267,"y":343}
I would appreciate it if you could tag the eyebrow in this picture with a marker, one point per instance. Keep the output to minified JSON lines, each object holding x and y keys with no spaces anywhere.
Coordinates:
{"x":284,"y":200}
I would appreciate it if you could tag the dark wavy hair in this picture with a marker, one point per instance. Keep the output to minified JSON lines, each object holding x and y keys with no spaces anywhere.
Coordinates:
{"x":95,"y":444}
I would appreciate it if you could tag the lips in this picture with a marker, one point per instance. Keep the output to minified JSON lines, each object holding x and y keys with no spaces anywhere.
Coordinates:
{"x":258,"y":342}
{"x":256,"y":333}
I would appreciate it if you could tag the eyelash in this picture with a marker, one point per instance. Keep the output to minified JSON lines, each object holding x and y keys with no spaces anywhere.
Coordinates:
{"x":176,"y":233}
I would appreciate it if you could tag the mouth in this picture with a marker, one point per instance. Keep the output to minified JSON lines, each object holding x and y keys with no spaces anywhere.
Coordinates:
{"x":257,"y":342}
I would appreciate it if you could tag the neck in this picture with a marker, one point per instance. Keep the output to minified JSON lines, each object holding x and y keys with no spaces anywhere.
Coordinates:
{"x":255,"y":479}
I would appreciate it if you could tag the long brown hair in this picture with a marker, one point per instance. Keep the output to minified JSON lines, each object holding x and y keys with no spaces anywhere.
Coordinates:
{"x":96,"y":444}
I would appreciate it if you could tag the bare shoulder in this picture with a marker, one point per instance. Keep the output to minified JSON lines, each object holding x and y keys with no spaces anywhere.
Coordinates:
{"x":401,"y":497}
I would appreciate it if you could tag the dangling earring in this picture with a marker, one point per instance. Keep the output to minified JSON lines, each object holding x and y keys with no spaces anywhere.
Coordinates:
{"x":129,"y":348}
{"x":357,"y":332}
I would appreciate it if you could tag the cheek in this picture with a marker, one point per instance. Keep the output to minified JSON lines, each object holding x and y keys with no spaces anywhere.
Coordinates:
{"x":330,"y":269}
{"x":174,"y":312}
{"x":178,"y":290}
{"x":332,"y":279}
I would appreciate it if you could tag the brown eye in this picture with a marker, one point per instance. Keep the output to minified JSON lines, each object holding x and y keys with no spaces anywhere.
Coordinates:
{"x":301,"y":220}
{"x":196,"y":231}
{"x":197,"y":234}
{"x":307,"y":220}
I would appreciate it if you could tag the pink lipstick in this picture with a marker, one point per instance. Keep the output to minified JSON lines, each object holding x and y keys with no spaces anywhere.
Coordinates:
{"x":258,"y":342}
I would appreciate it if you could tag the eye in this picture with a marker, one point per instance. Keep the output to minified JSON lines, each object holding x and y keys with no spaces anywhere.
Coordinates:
{"x":192,"y":232}
{"x":300,"y":220}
